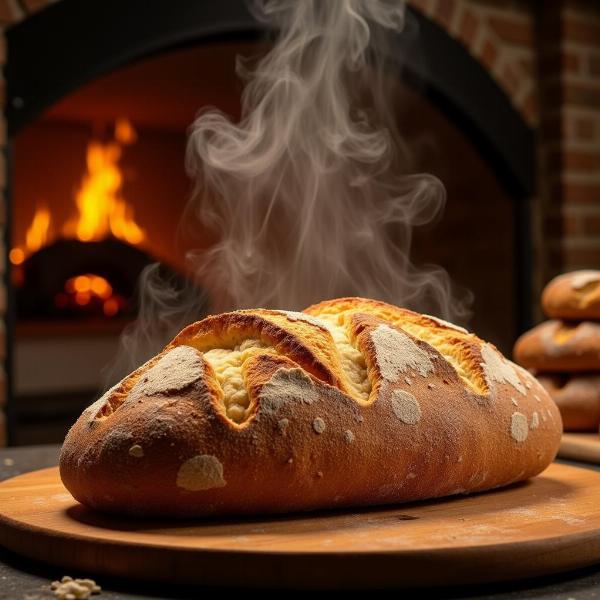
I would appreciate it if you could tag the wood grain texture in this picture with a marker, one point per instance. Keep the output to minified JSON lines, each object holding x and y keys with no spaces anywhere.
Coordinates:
{"x":546,"y":525}
{"x":580,"y":446}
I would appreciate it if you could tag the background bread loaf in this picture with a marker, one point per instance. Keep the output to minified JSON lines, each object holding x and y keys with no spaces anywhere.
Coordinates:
{"x":577,"y":396}
{"x":351,"y":402}
{"x":560,"y":346}
{"x":574,"y":296}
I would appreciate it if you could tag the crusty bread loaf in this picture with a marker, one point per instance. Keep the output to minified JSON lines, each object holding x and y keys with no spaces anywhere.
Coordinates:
{"x":574,"y":295}
{"x":560,"y":346}
{"x":352,"y":402}
{"x":577,"y":396}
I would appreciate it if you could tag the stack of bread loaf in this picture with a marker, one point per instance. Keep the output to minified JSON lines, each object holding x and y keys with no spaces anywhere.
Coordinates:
{"x":564,"y":352}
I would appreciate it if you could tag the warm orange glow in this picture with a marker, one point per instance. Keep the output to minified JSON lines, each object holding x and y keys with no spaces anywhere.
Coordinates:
{"x":16,"y":256}
{"x":125,"y":134}
{"x":101,"y":209}
{"x":37,"y":234}
{"x":82,"y":298}
{"x":110,"y":307}
{"x":101,"y":287}
{"x":82,"y":283}
{"x":89,"y":289}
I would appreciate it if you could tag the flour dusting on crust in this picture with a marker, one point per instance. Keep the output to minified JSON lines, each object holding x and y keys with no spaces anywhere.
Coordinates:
{"x":535,"y":421}
{"x":396,"y":352}
{"x":93,"y":409}
{"x":175,"y":371}
{"x":406,"y":407}
{"x":580,"y":279}
{"x":201,"y":472}
{"x":500,"y":370}
{"x":319,"y":425}
{"x":519,"y":428}
{"x":286,"y":386}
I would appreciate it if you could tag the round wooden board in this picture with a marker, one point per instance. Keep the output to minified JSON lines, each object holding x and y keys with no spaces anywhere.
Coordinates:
{"x":546,"y":525}
{"x":580,"y":446}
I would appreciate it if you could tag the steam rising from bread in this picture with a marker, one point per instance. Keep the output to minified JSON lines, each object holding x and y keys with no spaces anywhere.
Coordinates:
{"x":309,"y":194}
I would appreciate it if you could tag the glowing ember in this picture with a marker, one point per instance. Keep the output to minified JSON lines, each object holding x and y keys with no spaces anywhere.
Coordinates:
{"x":101,"y":209}
{"x":91,"y":292}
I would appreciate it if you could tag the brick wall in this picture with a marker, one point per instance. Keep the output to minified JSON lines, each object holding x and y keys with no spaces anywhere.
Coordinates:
{"x":569,"y":67}
{"x":499,"y":34}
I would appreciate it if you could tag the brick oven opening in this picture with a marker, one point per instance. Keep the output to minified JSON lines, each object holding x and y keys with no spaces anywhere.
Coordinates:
{"x":98,"y":190}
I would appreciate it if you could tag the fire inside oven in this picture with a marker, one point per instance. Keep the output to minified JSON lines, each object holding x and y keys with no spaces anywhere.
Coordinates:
{"x":86,"y":265}
{"x":100,"y":184}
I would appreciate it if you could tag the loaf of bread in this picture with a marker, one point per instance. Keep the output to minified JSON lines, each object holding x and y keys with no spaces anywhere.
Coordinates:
{"x":574,"y":295}
{"x":577,"y":396}
{"x":351,"y":402}
{"x":560,"y":346}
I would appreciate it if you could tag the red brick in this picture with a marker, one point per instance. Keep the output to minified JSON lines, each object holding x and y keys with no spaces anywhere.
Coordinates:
{"x":570,"y":62}
{"x":572,"y":225}
{"x":511,"y":30}
{"x":35,"y":5}
{"x":444,"y":12}
{"x":510,"y":79}
{"x":581,"y":258}
{"x":8,"y":14}
{"x":578,"y":193}
{"x":581,"y":94}
{"x":589,"y":225}
{"x":529,"y":107}
{"x":575,"y":160}
{"x":489,"y":53}
{"x":594,"y":64}
{"x":584,"y":128}
{"x":580,"y":30}
{"x":468,"y":26}
{"x":527,"y":66}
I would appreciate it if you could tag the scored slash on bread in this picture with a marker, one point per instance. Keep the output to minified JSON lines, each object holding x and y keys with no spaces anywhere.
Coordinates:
{"x":351,"y":402}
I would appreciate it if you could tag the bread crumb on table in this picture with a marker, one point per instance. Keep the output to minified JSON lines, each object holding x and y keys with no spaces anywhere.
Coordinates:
{"x":74,"y":589}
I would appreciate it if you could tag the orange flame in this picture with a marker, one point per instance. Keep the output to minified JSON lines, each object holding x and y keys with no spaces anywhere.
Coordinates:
{"x":36,"y":236}
{"x":102,"y":210}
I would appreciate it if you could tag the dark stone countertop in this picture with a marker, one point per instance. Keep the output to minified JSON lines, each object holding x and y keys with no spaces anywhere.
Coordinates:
{"x":24,"y":579}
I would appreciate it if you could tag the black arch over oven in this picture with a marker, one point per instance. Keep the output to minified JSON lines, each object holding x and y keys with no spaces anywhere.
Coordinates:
{"x":71,"y":42}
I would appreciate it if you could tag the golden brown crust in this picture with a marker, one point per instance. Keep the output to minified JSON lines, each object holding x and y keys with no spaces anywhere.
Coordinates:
{"x":560,"y":346}
{"x":577,"y":397}
{"x":166,"y":445}
{"x":574,"y":295}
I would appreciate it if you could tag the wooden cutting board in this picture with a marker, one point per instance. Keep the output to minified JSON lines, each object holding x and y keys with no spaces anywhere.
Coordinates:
{"x":580,"y":446}
{"x":547,"y":525}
